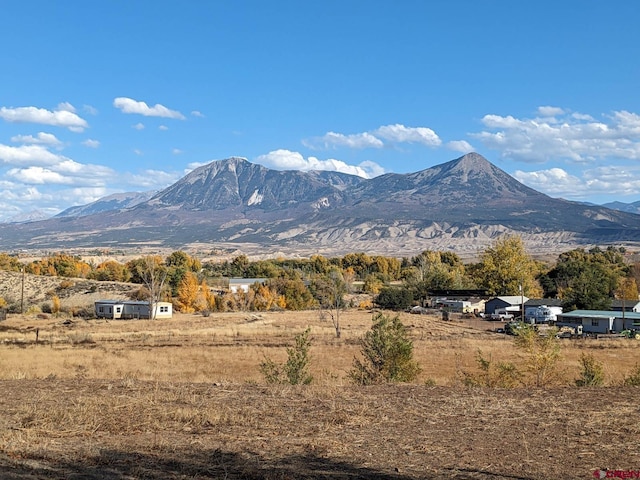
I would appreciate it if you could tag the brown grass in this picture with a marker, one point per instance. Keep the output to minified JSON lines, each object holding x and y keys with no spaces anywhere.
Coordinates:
{"x":183,"y":398}
{"x":229,"y":347}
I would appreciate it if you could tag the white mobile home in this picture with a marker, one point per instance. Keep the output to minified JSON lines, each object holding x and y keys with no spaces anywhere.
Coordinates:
{"x":128,"y":309}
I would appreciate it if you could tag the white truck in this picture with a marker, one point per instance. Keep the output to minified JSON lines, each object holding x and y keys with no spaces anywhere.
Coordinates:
{"x":502,"y":315}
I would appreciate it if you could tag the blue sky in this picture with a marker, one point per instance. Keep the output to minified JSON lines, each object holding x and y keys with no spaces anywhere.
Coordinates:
{"x":104,"y":97}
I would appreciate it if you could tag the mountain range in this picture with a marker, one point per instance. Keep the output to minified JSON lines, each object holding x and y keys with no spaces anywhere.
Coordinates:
{"x":462,"y":205}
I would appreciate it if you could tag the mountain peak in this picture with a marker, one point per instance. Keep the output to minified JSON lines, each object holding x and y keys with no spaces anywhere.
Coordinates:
{"x":473,"y":162}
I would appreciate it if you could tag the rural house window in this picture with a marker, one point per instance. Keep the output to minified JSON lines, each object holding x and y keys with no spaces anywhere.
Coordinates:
{"x":594,"y":322}
{"x":118,"y":310}
{"x":101,"y":309}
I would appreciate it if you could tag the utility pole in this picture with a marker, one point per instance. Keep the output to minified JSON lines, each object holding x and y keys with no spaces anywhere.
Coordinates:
{"x":22,"y":293}
{"x":521,"y":303}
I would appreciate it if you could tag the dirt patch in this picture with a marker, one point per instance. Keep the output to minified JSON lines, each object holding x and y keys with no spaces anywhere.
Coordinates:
{"x":129,"y":429}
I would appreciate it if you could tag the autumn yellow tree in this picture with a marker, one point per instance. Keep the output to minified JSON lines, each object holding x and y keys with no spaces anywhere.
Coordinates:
{"x":55,"y":304}
{"x":506,"y":266}
{"x":265,"y":297}
{"x":111,"y":270}
{"x":188,"y":291}
{"x":206,"y":296}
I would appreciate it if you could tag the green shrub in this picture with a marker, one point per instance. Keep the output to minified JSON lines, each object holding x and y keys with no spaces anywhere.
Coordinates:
{"x":633,"y":379}
{"x":394,"y":298}
{"x":296,"y":369}
{"x":387,"y":354}
{"x":592,"y":374}
{"x":542,"y":355}
{"x":492,"y":374}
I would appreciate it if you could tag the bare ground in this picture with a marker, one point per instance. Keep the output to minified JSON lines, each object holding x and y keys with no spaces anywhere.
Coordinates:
{"x":93,"y":429}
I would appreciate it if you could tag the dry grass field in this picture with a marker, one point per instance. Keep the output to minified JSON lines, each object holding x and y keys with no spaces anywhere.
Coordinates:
{"x":184,"y":398}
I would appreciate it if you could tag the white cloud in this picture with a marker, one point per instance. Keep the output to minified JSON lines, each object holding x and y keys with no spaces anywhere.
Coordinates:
{"x":152,"y":179}
{"x":550,"y":111}
{"x":41,"y":138}
{"x":163,"y":127}
{"x":128,"y":105}
{"x":196,"y":113}
{"x":334,"y":140}
{"x":66,"y":107}
{"x":38,"y":176}
{"x":176,"y":151}
{"x":21,"y":193}
{"x":138,"y":126}
{"x":400,"y":134}
{"x":65,"y":172}
{"x":91,"y":143}
{"x":82,"y":195}
{"x":193,"y":165}
{"x":137,"y":151}
{"x":557,"y":182}
{"x":90,"y":110}
{"x":28,"y":154}
{"x":288,"y":160}
{"x":394,"y":134}
{"x":461,"y":146}
{"x":57,"y":118}
{"x":566,"y":136}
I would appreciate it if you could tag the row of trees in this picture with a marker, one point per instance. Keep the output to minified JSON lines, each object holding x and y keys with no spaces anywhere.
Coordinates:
{"x":581,"y":278}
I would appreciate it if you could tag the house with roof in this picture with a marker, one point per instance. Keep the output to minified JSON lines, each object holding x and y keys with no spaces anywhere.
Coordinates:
{"x":625,"y":305}
{"x":508,"y":303}
{"x":599,"y":321}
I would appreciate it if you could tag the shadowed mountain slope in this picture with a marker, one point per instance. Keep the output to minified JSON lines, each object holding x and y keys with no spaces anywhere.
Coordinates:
{"x":464,"y":203}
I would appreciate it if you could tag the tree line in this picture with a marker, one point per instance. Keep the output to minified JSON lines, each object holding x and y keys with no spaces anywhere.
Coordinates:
{"x":585,"y":279}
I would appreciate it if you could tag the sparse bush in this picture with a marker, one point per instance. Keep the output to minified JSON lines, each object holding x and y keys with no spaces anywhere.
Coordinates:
{"x":14,"y":307}
{"x":633,"y":379}
{"x":592,"y":374}
{"x":542,"y":354}
{"x":295,"y":370}
{"x":83,"y":312}
{"x":33,"y":309}
{"x":65,"y":284}
{"x":46,"y":308}
{"x":492,"y":374}
{"x":387,"y":352}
